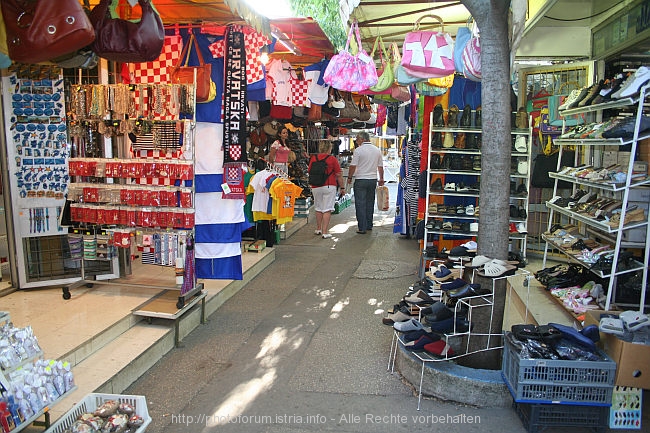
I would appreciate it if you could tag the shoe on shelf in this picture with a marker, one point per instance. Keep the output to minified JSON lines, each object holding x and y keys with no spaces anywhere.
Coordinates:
{"x":450,"y":186}
{"x":521,"y":121}
{"x":466,"y":118}
{"x":437,"y":184}
{"x":633,"y":83}
{"x":438,"y":112}
{"x":409,"y":325}
{"x":452,"y":117}
{"x":477,"y":117}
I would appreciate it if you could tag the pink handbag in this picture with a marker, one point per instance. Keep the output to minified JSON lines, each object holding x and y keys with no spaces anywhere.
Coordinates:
{"x":351,"y":73}
{"x":428,"y":54}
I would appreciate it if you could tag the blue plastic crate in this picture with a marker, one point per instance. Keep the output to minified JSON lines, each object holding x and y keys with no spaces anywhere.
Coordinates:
{"x":558,"y":381}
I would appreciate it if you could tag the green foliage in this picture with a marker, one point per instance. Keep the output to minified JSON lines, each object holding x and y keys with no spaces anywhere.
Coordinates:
{"x":326,"y":13}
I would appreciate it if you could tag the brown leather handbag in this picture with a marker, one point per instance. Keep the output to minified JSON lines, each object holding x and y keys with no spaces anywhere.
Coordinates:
{"x":39,"y":30}
{"x":183,"y":74}
{"x":125,"y":41}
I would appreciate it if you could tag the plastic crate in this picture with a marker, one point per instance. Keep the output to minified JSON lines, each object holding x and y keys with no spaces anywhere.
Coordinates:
{"x":537,"y":417}
{"x":626,"y":410}
{"x":92,"y":401}
{"x":558,"y":381}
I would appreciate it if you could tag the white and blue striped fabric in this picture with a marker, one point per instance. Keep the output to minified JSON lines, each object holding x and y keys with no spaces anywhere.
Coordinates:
{"x":219,"y":222}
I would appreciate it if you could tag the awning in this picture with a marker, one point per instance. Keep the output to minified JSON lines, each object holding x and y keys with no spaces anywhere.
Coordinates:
{"x":302,"y":41}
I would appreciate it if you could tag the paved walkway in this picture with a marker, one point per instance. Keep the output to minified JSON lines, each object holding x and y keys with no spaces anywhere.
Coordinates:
{"x":302,"y":348}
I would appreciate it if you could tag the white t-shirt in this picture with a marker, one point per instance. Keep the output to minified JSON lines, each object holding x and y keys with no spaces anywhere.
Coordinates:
{"x":280,"y":72}
{"x":367,"y":158}
{"x":317,"y":94}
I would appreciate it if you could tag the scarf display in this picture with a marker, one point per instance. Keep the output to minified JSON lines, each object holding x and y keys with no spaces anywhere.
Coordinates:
{"x":189,"y":275}
{"x":234,"y":123}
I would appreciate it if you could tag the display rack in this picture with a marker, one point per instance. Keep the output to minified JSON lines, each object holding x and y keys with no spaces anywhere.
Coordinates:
{"x":138,"y":192}
{"x":5,"y":317}
{"x":470,"y":303}
{"x":461,"y":168}
{"x":593,"y":150}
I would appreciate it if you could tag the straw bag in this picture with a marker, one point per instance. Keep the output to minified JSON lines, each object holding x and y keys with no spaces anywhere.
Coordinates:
{"x":428,"y":54}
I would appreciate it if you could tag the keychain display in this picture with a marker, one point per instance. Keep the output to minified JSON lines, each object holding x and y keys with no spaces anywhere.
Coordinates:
{"x":39,"y":147}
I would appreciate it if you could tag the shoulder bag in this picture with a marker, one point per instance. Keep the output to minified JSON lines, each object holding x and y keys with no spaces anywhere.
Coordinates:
{"x":428,"y":54}
{"x":206,"y":90}
{"x":348,"y":72}
{"x":39,"y":30}
{"x":351,"y":110}
{"x":385,"y":78}
{"x":124,"y":41}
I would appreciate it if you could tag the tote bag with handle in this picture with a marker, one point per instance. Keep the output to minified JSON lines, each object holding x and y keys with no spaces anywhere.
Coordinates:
{"x":428,"y":54}
{"x":352,"y":73}
{"x":387,"y":77}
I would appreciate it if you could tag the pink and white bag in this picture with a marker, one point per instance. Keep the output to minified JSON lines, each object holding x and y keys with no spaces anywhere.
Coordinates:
{"x":351,"y":73}
{"x":428,"y":54}
{"x":472,"y":58}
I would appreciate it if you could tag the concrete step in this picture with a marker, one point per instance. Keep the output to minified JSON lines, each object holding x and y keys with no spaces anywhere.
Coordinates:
{"x":113,"y":367}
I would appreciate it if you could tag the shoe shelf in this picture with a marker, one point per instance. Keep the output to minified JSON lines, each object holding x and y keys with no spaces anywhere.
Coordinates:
{"x":458,"y":172}
{"x":618,"y":103}
{"x":439,"y":160}
{"x":601,"y":225}
{"x":605,"y":185}
{"x":573,"y":257}
{"x":615,"y":235}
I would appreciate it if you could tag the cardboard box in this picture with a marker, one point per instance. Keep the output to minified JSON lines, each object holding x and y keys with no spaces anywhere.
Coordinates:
{"x":632,"y":360}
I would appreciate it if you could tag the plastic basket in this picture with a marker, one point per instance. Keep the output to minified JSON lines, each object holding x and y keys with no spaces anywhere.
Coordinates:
{"x":537,"y":417}
{"x":558,"y":381}
{"x":92,"y":401}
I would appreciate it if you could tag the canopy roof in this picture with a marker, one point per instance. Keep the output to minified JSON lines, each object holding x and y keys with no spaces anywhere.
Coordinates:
{"x":308,"y":44}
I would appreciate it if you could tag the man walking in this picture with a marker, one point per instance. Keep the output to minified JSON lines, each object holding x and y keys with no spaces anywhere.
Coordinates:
{"x":366,"y":162}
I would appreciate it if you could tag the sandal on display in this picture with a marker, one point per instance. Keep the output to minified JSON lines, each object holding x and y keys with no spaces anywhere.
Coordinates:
{"x":496,"y":270}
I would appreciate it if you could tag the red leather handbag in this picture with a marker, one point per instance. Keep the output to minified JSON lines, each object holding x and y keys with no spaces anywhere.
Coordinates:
{"x":43,"y":29}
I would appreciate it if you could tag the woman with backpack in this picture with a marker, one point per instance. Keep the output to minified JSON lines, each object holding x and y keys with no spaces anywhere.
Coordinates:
{"x":325,"y":178}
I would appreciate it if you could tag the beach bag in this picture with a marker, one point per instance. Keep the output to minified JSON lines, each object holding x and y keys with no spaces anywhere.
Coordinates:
{"x":386,"y":77}
{"x":383,"y":199}
{"x":428,"y":54}
{"x":463,"y":36}
{"x":472,"y":58}
{"x":352,"y":73}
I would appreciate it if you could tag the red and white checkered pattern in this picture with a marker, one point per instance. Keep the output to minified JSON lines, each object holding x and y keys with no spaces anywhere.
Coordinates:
{"x":157,"y":71}
{"x":299,"y":96}
{"x":157,"y":154}
{"x":253,"y":42}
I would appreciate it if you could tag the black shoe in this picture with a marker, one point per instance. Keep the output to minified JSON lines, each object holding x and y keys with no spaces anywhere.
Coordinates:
{"x":466,"y":118}
{"x":437,"y":140}
{"x":452,"y":117}
{"x":521,"y":189}
{"x":437,"y":185}
{"x":477,"y":117}
{"x":438,"y":118}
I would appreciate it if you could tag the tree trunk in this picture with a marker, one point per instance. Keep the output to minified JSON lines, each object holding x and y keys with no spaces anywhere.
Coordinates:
{"x":491,"y":17}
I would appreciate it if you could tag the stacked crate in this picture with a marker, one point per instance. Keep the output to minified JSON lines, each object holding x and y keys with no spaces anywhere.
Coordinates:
{"x":559,"y":393}
{"x":301,"y":207}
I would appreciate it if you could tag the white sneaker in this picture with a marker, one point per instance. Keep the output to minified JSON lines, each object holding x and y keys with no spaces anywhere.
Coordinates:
{"x":318,"y":232}
{"x":327,"y":236}
{"x":633,"y":83}
{"x":450,"y":187}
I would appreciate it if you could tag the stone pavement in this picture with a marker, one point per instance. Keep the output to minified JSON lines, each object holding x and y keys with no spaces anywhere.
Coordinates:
{"x":302,"y":348}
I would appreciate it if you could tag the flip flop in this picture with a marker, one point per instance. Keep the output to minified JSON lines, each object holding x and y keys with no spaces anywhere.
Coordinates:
{"x":496,"y":270}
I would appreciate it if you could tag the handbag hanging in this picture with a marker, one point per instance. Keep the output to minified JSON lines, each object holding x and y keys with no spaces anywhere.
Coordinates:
{"x":351,"y":110}
{"x":41,"y":30}
{"x":386,"y":78}
{"x":184,"y":74}
{"x":352,"y":73}
{"x":364,"y":110}
{"x":472,"y":57}
{"x":428,"y":54}
{"x":125,"y":41}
